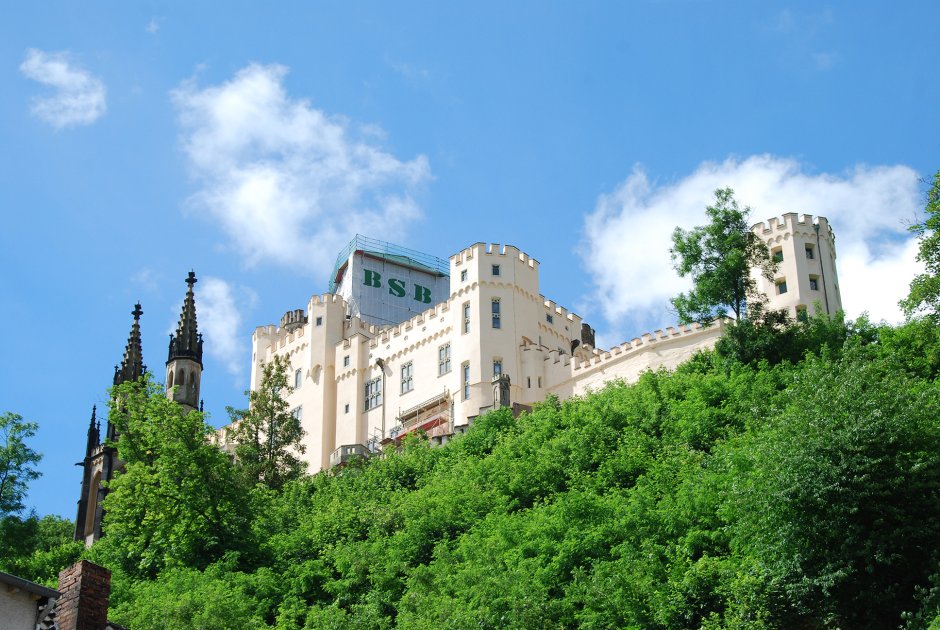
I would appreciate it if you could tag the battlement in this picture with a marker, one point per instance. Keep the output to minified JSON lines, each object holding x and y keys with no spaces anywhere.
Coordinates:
{"x":493,"y":250}
{"x":643,"y":343}
{"x":560,"y":311}
{"x":326,"y":298}
{"x":791,"y":222}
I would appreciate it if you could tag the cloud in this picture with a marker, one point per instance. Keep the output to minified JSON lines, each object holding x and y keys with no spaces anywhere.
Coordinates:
{"x":153,"y":25}
{"x":628,"y":236}
{"x":79,"y":97}
{"x":287,"y":182}
{"x":220,"y":320}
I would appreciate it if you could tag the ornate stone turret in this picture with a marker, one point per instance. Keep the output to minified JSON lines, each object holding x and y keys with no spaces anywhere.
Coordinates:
{"x":132,"y":366}
{"x":184,"y":362}
{"x":94,"y":432}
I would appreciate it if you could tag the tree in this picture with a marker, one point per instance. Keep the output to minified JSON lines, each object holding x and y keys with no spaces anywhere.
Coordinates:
{"x":178,"y":501}
{"x":925,"y":288}
{"x":719,"y":257}
{"x":268,"y":434}
{"x":17,"y":461}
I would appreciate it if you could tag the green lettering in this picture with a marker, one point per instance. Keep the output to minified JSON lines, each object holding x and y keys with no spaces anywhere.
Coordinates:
{"x":396,"y":287}
{"x":373,"y":279}
{"x":422,"y":294}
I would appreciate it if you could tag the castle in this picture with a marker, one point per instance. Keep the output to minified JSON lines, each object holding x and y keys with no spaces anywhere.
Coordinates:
{"x":404,"y":341}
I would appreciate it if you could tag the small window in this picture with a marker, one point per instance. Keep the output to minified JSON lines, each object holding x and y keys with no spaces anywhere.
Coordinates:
{"x":549,"y":318}
{"x":463,"y":275}
{"x":528,"y":382}
{"x":297,"y":412}
{"x":346,"y":410}
{"x":540,"y":381}
{"x":495,"y":310}
{"x":801,"y":314}
{"x":497,"y":367}
{"x":814,"y":283}
{"x":407,"y":377}
{"x":466,"y":380}
{"x":319,"y":321}
{"x":495,"y":270}
{"x":373,"y":393}
{"x":346,"y":361}
{"x":810,"y":254}
{"x":777,"y":255}
{"x":298,"y":379}
{"x":781,"y":287}
{"x":466,"y":317}
{"x":443,"y":359}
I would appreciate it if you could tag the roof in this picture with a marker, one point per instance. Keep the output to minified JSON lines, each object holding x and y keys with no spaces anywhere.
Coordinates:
{"x":29,"y":587}
{"x":388,"y":252}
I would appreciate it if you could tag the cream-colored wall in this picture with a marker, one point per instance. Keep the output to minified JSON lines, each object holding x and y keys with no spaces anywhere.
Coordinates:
{"x":17,"y":609}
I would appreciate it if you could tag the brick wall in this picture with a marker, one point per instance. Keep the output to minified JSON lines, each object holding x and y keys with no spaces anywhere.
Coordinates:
{"x":85,"y":588}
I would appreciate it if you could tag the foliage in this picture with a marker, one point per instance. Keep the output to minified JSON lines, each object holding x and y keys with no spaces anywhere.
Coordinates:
{"x":36,"y":549}
{"x":267,"y":434}
{"x":178,"y":501}
{"x":17,"y":461}
{"x":719,"y":256}
{"x":924,"y":296}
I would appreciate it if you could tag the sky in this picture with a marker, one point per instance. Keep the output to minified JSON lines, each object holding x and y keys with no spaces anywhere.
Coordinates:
{"x":250,"y":141}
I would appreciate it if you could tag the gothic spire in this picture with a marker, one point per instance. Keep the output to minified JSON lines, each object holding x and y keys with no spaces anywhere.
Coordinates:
{"x":132,"y":366}
{"x":187,"y":342}
{"x":94,"y":437}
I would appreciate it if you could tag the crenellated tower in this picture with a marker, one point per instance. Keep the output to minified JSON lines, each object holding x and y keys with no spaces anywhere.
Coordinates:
{"x":101,"y":459}
{"x":184,"y":362}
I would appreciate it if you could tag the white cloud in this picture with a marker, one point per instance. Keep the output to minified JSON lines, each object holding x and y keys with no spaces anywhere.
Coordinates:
{"x":153,"y":25}
{"x":79,"y":97}
{"x":628,"y":236}
{"x":288,"y":182}
{"x":220,"y":320}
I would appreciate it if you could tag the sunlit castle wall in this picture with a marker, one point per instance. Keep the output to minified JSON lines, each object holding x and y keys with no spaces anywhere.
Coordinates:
{"x":805,"y":251}
{"x":386,"y":284}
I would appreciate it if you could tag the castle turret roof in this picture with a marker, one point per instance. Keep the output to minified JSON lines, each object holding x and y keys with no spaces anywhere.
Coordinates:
{"x":187,"y":342}
{"x":132,"y":365}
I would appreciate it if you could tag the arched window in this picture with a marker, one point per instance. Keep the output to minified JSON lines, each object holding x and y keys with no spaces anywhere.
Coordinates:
{"x":298,"y":379}
{"x":92,"y":505}
{"x":169,"y":380}
{"x":192,"y":378}
{"x":181,"y":379}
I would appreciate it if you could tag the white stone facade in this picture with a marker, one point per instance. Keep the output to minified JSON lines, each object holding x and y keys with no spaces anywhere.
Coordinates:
{"x":358,"y":385}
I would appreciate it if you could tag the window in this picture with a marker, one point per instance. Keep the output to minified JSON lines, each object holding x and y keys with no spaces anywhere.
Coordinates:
{"x":810,"y":254}
{"x":814,"y":283}
{"x":407,"y":373}
{"x":373,"y":393}
{"x":781,"y":286}
{"x":465,"y":368}
{"x":466,"y":317}
{"x":495,"y":270}
{"x":319,"y":321}
{"x":495,"y":309}
{"x":540,"y":381}
{"x":443,"y":359}
{"x":801,"y":314}
{"x":497,"y":367}
{"x":463,"y":275}
{"x":297,"y":412}
{"x":549,"y":318}
{"x":346,"y":410}
{"x":346,"y":361}
{"x":298,"y":379}
{"x":528,"y":382}
{"x":777,"y":255}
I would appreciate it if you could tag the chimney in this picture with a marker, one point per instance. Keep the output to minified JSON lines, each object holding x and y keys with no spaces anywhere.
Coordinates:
{"x":85,"y":588}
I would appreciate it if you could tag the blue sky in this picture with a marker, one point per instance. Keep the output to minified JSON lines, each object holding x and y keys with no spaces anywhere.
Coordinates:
{"x":250,"y":141}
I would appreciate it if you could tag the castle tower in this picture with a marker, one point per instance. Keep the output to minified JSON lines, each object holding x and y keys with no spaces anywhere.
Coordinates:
{"x":184,"y":363}
{"x":101,"y":460}
{"x":805,"y":251}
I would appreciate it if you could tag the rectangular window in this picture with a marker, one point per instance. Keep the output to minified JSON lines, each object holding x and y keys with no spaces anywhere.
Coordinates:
{"x":549,"y":318}
{"x":443,"y":359}
{"x":814,"y":283}
{"x":466,"y":317}
{"x":497,"y":367}
{"x":463,"y":275}
{"x":801,"y":314}
{"x":373,"y":393}
{"x":495,"y":270}
{"x":347,"y":408}
{"x":540,"y":381}
{"x":528,"y":382}
{"x":466,"y":381}
{"x":298,"y":379}
{"x":319,"y":321}
{"x":407,"y":374}
{"x":810,"y":254}
{"x":495,"y":309}
{"x":781,"y":287}
{"x":297,"y":412}
{"x":346,"y":361}
{"x":777,"y":255}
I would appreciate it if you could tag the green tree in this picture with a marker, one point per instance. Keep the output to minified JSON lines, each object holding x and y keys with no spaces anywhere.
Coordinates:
{"x":178,"y":501}
{"x":719,"y":256}
{"x":925,"y":288}
{"x":36,"y":548}
{"x":268,"y":434}
{"x":17,"y":461}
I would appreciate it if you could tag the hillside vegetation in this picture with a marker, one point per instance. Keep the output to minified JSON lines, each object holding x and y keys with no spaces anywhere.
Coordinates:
{"x":795,"y":486}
